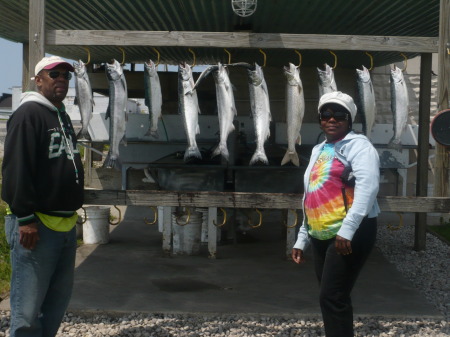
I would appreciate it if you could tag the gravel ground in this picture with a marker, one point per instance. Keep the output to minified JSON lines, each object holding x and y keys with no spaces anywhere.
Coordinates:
{"x":428,"y":271}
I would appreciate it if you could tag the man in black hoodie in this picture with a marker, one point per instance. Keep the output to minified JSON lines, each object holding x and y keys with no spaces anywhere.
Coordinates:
{"x":43,"y":183}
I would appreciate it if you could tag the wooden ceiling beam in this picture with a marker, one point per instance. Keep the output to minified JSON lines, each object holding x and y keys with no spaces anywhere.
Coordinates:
{"x":241,"y":40}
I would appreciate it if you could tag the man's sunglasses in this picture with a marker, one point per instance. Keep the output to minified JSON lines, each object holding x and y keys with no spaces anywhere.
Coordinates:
{"x":55,"y":74}
{"x":337,"y":115}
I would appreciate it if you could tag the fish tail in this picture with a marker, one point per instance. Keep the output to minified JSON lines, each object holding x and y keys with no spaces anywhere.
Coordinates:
{"x":112,"y":161}
{"x":192,"y":151}
{"x":290,"y":157}
{"x":83,"y":134}
{"x":221,"y":149}
{"x":395,"y":144}
{"x":152,"y":132}
{"x":259,"y":156}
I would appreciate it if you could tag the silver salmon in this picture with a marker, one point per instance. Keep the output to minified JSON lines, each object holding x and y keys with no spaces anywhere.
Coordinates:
{"x":116,"y":112}
{"x":326,"y":80}
{"x":260,"y":106}
{"x":153,"y":97}
{"x":295,"y":110}
{"x":366,"y":100}
{"x":189,"y":109}
{"x":399,"y":106}
{"x":85,"y":99}
{"x":226,"y":109}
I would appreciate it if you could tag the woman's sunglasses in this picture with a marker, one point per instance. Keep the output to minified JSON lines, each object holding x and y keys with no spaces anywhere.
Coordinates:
{"x":55,"y":74}
{"x":337,"y":115}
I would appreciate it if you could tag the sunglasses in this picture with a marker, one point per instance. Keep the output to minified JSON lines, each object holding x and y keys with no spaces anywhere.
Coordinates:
{"x":338,"y":116}
{"x":55,"y":74}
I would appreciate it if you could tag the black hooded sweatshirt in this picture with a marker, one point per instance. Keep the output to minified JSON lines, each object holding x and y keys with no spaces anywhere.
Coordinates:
{"x":40,"y":172}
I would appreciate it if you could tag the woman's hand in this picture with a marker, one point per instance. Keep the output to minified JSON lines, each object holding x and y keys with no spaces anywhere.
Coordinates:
{"x":298,"y":256}
{"x":343,"y":246}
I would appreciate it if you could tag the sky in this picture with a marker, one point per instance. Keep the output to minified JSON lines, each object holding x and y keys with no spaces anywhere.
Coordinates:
{"x":10,"y":65}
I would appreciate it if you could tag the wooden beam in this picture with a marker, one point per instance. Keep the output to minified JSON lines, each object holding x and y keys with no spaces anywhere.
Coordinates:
{"x":247,"y":200}
{"x":36,"y":31}
{"x":423,"y":145}
{"x":441,"y":178}
{"x":241,"y":40}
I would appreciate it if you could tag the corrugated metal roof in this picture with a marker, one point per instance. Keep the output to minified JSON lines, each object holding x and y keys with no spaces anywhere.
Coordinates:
{"x":340,"y":17}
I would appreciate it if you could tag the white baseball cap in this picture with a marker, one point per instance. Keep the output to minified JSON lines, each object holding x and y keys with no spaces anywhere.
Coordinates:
{"x":340,"y":98}
{"x":50,"y":63}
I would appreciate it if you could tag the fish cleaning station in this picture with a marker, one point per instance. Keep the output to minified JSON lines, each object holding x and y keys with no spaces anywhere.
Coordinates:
{"x":200,"y":133}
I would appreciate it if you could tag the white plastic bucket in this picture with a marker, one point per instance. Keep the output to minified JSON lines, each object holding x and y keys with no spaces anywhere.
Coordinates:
{"x":186,"y":239}
{"x":96,"y":226}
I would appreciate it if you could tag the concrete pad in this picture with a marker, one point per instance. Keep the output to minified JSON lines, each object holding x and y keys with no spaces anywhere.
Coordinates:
{"x":250,"y":276}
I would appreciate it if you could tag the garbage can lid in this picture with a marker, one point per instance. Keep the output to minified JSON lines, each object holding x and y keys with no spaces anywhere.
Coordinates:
{"x":440,"y":127}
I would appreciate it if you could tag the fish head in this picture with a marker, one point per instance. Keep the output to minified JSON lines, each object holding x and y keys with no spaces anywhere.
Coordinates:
{"x":150,"y":68}
{"x":114,"y":70}
{"x":363,"y":75}
{"x":325,"y":76}
{"x":221,"y":74}
{"x":79,"y":68}
{"x":291,"y":72}
{"x":396,"y":74}
{"x":255,"y":76}
{"x":184,"y":71}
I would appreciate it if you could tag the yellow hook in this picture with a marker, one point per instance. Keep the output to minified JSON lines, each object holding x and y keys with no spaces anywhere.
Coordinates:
{"x":392,"y":228}
{"x":260,"y":220}
{"x":299,"y":58}
{"x":187,"y":219}
{"x":405,"y":61}
{"x":89,"y":55}
{"x":155,"y":216}
{"x":265,"y":56}
{"x":84,"y":215}
{"x":371,"y":61}
{"x":123,"y":55}
{"x":193,"y":54}
{"x":295,"y":222}
{"x":335,"y":59}
{"x":120,"y":217}
{"x":229,"y":55}
{"x":159,"y":56}
{"x":224,"y":218}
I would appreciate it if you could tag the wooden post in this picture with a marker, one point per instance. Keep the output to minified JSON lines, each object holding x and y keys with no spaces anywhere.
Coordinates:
{"x":212,"y":232}
{"x":36,"y":36}
{"x":26,"y":73}
{"x":441,"y":159}
{"x":424,"y":135}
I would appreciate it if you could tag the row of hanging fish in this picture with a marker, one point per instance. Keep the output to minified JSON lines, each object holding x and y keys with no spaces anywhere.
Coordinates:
{"x":259,"y":101}
{"x":366,"y":99}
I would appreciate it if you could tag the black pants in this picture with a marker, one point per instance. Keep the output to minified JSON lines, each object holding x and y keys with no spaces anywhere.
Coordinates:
{"x":337,"y":275}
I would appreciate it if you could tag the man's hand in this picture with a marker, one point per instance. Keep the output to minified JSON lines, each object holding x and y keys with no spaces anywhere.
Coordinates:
{"x":298,"y":256}
{"x":343,"y":246}
{"x":28,"y":235}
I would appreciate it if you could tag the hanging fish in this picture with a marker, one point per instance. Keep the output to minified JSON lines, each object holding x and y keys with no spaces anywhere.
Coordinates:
{"x":260,"y":106}
{"x":226,"y":109}
{"x":84,"y":97}
{"x":153,"y":97}
{"x":189,"y":109}
{"x":399,"y":106}
{"x":326,"y":80}
{"x":116,"y":112}
{"x":366,"y":100}
{"x":295,"y":110}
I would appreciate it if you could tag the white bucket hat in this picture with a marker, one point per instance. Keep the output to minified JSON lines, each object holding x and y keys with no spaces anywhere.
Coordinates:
{"x":340,"y":98}
{"x":50,"y":63}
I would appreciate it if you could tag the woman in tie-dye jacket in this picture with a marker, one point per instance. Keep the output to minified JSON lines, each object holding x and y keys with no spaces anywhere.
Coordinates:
{"x":340,"y":208}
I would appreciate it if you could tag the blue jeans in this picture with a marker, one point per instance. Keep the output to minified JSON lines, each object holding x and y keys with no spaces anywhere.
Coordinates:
{"x":42,"y":280}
